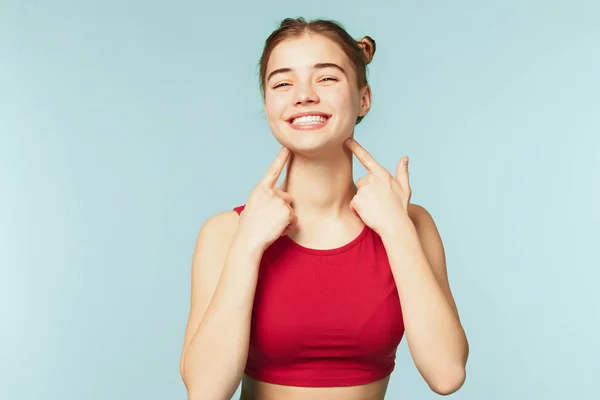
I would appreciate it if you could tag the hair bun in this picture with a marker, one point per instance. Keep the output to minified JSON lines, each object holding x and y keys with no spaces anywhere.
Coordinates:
{"x":367,"y":46}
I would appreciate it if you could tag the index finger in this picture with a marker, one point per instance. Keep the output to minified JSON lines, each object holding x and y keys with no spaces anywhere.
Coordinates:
{"x":365,"y":158}
{"x":274,"y":171}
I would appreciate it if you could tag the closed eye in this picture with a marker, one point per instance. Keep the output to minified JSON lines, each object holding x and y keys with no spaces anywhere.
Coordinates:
{"x":326,"y":79}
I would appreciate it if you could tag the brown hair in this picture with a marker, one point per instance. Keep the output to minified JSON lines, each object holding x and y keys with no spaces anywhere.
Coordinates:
{"x":359,"y":52}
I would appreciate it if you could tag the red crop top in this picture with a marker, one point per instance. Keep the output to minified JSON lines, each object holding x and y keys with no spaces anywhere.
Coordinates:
{"x":324,"y":317}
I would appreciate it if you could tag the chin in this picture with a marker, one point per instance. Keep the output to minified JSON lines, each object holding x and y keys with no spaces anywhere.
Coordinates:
{"x":318,"y":141}
{"x":312,"y":145}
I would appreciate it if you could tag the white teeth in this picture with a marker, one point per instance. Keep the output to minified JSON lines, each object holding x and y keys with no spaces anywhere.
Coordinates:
{"x":308,"y":119}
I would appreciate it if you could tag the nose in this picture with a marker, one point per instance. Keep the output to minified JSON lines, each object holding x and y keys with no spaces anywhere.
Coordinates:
{"x":305,"y":94}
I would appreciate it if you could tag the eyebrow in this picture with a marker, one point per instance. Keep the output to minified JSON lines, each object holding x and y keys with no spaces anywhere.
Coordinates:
{"x":315,"y":66}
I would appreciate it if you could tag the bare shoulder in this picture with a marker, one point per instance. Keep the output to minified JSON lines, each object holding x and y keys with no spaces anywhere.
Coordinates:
{"x":427,"y":230}
{"x":419,"y":215}
{"x":221,"y":225}
{"x":212,"y":244}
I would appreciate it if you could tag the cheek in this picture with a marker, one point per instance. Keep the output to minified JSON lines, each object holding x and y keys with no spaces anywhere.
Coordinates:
{"x":355,"y":102}
{"x":274,"y":108}
{"x":346,"y":105}
{"x":345,"y":96}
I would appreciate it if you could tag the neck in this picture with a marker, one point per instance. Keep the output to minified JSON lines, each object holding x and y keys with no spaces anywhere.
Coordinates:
{"x":320,"y":187}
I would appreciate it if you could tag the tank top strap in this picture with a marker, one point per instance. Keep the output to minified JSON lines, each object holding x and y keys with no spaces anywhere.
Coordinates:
{"x":239,"y":209}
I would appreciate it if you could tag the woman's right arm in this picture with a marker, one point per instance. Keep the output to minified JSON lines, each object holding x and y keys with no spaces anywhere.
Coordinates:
{"x":224,"y":275}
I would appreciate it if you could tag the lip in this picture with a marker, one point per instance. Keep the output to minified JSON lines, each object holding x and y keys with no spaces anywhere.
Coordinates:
{"x":305,"y":113}
{"x":311,"y":126}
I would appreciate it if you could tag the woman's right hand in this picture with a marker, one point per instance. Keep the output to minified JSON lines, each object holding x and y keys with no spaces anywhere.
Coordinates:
{"x":268,"y":213}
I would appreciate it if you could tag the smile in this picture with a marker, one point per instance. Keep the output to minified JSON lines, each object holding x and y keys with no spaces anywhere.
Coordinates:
{"x":309,"y":121}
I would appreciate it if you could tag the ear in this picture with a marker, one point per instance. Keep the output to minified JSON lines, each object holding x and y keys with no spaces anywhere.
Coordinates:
{"x":365,"y":101}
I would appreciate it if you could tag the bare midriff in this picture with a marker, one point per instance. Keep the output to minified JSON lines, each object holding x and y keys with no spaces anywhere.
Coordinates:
{"x":253,"y":389}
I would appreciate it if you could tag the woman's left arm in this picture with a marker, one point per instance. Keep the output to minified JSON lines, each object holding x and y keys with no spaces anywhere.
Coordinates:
{"x":435,"y":336}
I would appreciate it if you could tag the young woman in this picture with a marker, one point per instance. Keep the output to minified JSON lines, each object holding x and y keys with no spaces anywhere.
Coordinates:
{"x":306,"y":291}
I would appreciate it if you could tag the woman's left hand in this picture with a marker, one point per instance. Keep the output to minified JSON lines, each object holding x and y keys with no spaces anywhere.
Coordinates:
{"x":381,"y":200}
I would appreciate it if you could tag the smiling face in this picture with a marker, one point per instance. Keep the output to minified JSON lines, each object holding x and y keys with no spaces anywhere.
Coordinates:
{"x":312,"y":99}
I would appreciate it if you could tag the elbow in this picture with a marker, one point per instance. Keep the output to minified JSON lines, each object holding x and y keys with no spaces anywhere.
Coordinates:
{"x":182,"y":369}
{"x":192,"y":386}
{"x":449,"y":382}
{"x":200,"y":387}
{"x":184,"y":372}
{"x":193,"y":392}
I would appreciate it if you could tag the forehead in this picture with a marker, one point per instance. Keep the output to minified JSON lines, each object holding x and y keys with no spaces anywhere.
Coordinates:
{"x":306,"y":51}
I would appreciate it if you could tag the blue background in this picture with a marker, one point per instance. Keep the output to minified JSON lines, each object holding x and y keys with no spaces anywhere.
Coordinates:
{"x":125,"y":125}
